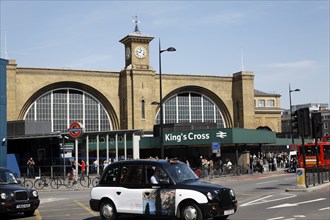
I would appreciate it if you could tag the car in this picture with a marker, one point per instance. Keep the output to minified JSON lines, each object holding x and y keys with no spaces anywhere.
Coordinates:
{"x":126,"y":188}
{"x":15,"y":198}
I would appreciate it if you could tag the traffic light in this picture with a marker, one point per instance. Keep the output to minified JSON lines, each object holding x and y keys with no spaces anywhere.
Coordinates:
{"x":316,"y":125}
{"x":301,"y":122}
{"x":305,"y":129}
{"x":294,"y":121}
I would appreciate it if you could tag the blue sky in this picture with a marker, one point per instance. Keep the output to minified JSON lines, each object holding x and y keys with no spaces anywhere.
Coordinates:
{"x":282,"y":42}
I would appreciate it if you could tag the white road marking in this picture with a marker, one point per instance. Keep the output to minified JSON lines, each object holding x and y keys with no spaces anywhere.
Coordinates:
{"x":264,"y":199}
{"x":271,"y":181}
{"x":42,"y":201}
{"x":275,"y":218}
{"x":289,"y":178}
{"x":295,"y":204}
{"x":294,"y":217}
{"x":326,"y":208}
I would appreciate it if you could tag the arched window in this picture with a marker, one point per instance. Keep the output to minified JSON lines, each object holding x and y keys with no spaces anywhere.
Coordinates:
{"x":189,"y":107}
{"x":63,"y":106}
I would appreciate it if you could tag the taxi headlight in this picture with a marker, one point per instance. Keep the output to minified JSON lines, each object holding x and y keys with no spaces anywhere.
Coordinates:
{"x":35,"y":193}
{"x":3,"y":196}
{"x":232,"y":193}
{"x":209,"y":196}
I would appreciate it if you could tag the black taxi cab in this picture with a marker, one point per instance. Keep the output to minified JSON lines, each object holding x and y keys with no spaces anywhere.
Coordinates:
{"x":159,"y":188}
{"x":14,"y":198}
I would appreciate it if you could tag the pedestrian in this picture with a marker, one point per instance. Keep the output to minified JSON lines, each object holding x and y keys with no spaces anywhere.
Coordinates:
{"x":83,"y":168}
{"x":96,"y":165}
{"x":73,"y":169}
{"x":30,"y":163}
{"x":211,"y":168}
{"x":105,"y":164}
{"x":229,"y":166}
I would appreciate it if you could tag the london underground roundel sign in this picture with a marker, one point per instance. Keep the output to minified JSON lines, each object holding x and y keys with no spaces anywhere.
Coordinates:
{"x":75,"y":129}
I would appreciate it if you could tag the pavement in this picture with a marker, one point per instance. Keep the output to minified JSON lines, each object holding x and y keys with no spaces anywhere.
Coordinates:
{"x":310,"y":188}
{"x":278,"y":172}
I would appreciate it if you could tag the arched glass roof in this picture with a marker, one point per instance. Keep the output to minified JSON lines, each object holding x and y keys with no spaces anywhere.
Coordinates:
{"x":63,"y":106}
{"x":190,"y":107}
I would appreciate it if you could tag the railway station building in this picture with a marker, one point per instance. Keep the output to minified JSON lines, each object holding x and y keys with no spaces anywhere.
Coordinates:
{"x":201,"y":113}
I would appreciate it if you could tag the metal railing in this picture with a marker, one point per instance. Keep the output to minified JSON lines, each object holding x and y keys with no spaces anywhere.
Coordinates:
{"x":317,"y":176}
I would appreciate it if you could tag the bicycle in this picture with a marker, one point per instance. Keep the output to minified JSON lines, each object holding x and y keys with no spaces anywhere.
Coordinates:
{"x":69,"y":181}
{"x":216,"y":172}
{"x":96,"y":180}
{"x":55,"y":183}
{"x":226,"y":171}
{"x":238,"y":170}
{"x":27,"y":183}
{"x":84,"y":180}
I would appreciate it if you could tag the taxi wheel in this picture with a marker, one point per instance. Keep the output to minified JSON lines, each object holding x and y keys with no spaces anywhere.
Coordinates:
{"x":107,"y":210}
{"x":191,"y":211}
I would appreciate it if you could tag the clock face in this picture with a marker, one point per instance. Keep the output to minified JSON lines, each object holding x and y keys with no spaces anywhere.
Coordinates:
{"x":140,"y":52}
{"x":127,"y":53}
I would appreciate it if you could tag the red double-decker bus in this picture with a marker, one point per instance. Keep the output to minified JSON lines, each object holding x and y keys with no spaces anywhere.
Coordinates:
{"x":310,"y":154}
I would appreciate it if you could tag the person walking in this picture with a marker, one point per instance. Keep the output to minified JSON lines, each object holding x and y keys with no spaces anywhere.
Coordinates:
{"x":30,"y":163}
{"x":73,"y":172}
{"x":83,"y":168}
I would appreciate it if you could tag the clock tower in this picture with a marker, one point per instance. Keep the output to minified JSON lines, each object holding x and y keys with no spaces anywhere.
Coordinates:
{"x":137,"y":48}
{"x":137,"y":82}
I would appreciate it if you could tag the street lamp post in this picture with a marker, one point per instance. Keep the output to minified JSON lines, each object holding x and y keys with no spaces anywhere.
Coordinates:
{"x":291,"y":129}
{"x":170,"y":49}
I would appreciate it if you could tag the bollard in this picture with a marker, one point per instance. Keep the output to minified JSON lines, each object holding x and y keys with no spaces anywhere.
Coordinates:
{"x":301,"y":178}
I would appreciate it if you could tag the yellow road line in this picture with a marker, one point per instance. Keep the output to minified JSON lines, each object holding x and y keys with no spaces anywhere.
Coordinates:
{"x":38,"y":216}
{"x":86,"y":208}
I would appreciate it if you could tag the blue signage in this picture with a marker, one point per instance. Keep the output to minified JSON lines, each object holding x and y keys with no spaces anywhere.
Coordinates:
{"x":215,"y":146}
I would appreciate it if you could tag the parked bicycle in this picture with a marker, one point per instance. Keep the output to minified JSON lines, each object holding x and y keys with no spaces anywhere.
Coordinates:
{"x":238,"y":170}
{"x":84,"y":180}
{"x":27,"y":183}
{"x":55,"y":183}
{"x":96,"y":180}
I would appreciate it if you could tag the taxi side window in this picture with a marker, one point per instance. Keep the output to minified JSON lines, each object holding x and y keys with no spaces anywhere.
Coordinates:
{"x":111,"y":176}
{"x":150,"y":171}
{"x":131,"y":174}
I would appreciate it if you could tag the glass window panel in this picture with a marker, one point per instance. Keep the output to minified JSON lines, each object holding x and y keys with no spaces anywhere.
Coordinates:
{"x":219,"y":119}
{"x":196,"y":108}
{"x":271,"y":103}
{"x":60,"y":110}
{"x":75,"y":106}
{"x":183,"y":108}
{"x":44,"y":107}
{"x":170,"y":110}
{"x":30,"y":115}
{"x":91,"y":114}
{"x":261,"y":103}
{"x":208,"y":109}
{"x":105,"y":125}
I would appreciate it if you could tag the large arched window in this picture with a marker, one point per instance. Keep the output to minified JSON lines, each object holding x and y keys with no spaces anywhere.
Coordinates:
{"x":63,"y":106}
{"x":189,"y":107}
